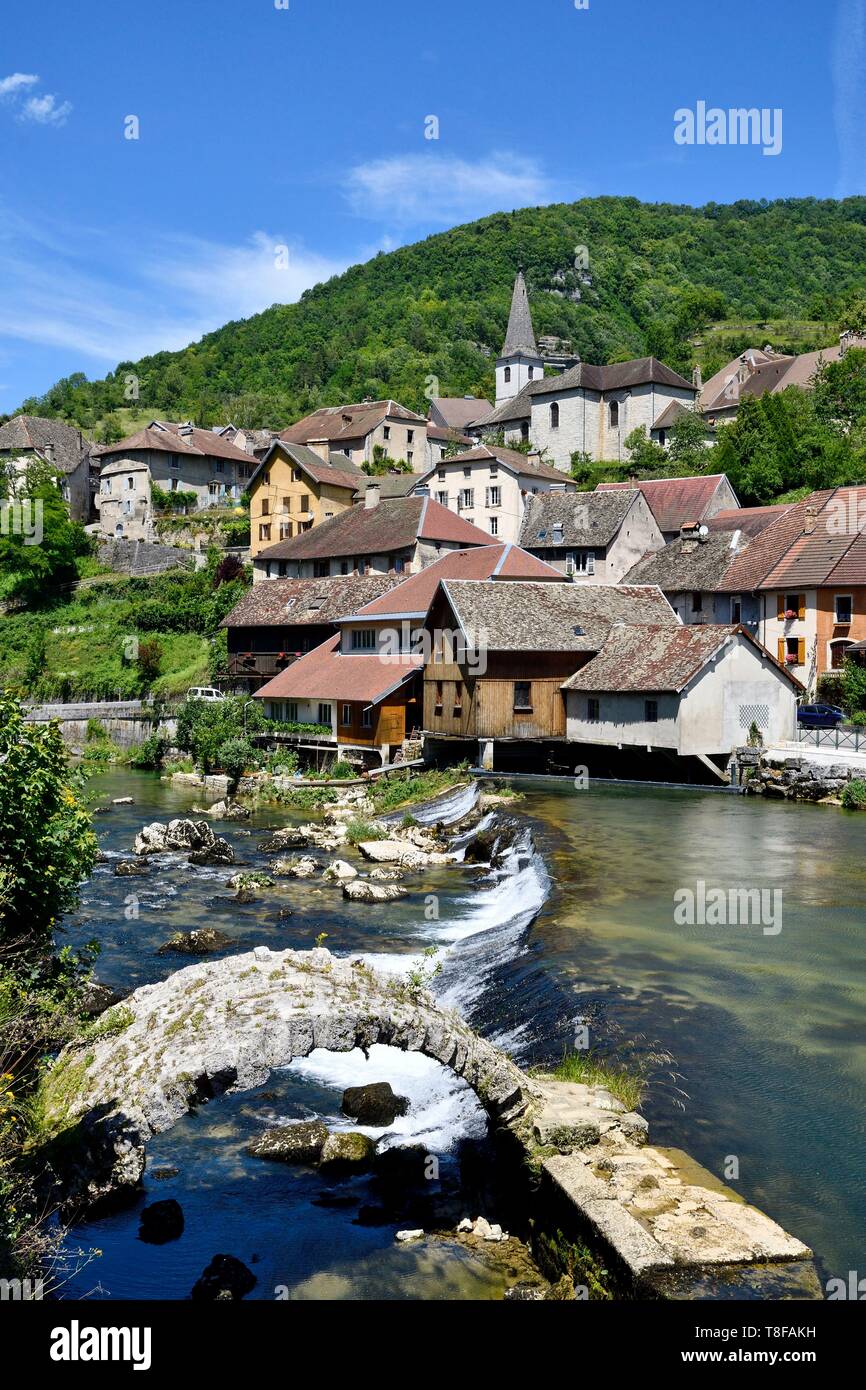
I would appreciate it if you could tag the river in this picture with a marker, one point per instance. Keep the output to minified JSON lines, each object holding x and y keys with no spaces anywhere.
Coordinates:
{"x":753,"y":1038}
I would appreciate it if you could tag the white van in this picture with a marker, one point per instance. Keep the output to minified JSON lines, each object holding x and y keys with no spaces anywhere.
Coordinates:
{"x":204,"y":692}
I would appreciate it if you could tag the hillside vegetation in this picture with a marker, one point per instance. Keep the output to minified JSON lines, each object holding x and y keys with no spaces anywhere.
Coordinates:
{"x":659,"y":275}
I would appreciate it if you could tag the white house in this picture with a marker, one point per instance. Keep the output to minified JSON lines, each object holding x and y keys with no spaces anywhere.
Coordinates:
{"x":491,"y":487}
{"x":695,"y":691}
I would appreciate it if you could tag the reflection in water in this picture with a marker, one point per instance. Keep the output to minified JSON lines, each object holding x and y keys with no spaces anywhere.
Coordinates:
{"x":767,"y":1031}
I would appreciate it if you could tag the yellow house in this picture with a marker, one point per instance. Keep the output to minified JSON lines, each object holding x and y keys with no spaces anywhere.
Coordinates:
{"x":294,"y":488}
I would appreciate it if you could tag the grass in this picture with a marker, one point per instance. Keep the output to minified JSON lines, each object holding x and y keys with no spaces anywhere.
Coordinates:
{"x":390,"y":793}
{"x":591,"y":1070}
{"x":360,"y":831}
{"x":854,"y":795}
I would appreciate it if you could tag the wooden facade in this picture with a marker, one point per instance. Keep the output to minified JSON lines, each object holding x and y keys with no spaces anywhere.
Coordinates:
{"x":519,"y":696}
{"x":377,"y":725}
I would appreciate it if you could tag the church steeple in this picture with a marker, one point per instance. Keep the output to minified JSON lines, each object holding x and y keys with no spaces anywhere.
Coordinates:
{"x":519,"y":363}
{"x":520,"y":336}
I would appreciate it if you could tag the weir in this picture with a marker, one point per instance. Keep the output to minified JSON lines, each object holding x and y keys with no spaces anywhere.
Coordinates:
{"x":664,"y":1226}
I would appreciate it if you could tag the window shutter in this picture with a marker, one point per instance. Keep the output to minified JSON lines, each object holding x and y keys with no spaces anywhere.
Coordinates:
{"x":801,"y":651}
{"x":780,"y":612}
{"x":781,"y":650}
{"x":802,"y":609}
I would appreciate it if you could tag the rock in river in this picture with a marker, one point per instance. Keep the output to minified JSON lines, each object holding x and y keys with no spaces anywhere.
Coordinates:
{"x":195,"y":836}
{"x":302,"y":866}
{"x":297,"y":1143}
{"x":375,"y":1104}
{"x":347,"y":1152}
{"x":131,"y":868}
{"x":161,"y":1222}
{"x":225,"y":1278}
{"x":200,"y":942}
{"x":362,"y":891}
{"x":339,"y":870}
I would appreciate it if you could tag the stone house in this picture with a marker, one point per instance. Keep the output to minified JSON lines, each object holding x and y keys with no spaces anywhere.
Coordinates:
{"x":490,"y":486}
{"x":124,"y":501}
{"x":358,"y":430}
{"x":294,"y":488}
{"x":183,"y":458}
{"x":591,"y":537}
{"x":61,"y":447}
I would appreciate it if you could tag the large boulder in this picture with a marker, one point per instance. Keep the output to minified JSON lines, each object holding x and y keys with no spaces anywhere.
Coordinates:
{"x":374,"y":1104}
{"x":196,"y":837}
{"x":291,"y":837}
{"x":226,"y":1278}
{"x":302,"y":866}
{"x":360,"y":890}
{"x":302,"y":1142}
{"x":339,"y":871}
{"x":161,"y":1222}
{"x":401,"y":852}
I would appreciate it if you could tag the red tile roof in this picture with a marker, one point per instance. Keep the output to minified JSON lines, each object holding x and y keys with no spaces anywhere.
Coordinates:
{"x":765,"y":550}
{"x":394,"y":524}
{"x":813,"y":555}
{"x":328,"y":674}
{"x":514,"y":461}
{"x":336,"y":422}
{"x":167,"y":437}
{"x":415,"y":594}
{"x":674,"y":501}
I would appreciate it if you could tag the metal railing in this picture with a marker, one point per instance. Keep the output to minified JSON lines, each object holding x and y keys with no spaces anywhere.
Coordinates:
{"x":853,"y":740}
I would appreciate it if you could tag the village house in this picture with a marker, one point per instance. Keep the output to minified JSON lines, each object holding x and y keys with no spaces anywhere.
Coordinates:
{"x":593,"y":537}
{"x":457,"y":413}
{"x":28,"y":438}
{"x":365,"y":432}
{"x":124,"y":501}
{"x":275,"y":623}
{"x":499,"y":655}
{"x":490,"y":487}
{"x":814,"y":597}
{"x":443,"y":442}
{"x":294,"y":488}
{"x":757,"y":371}
{"x":674,"y":502}
{"x":586,"y":409}
{"x":694,"y":692}
{"x":178,"y":458}
{"x":397,"y":536}
{"x":349,"y":683}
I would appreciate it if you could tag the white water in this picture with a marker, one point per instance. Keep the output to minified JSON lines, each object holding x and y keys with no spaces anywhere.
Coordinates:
{"x":487,"y":928}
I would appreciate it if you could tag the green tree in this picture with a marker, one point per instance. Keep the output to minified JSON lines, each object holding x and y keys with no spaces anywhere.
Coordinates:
{"x":687,"y":444}
{"x":204,"y":727}
{"x":645,"y":455}
{"x":39,"y":544}
{"x":840,"y":391}
{"x":46,"y":844}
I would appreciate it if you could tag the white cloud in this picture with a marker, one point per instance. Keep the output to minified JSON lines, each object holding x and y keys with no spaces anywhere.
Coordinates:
{"x":16,"y":83}
{"x":45,"y":110}
{"x":849,"y":90}
{"x":433,"y":187}
{"x":146,"y":296}
{"x":42,"y":110}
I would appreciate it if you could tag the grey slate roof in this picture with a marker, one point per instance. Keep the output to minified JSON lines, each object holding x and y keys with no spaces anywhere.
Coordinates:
{"x":297,"y":602}
{"x":32,"y":432}
{"x":689,"y":564}
{"x":586,"y":518}
{"x":616,"y":376}
{"x":650,"y":658}
{"x":520,"y":336}
{"x":528,"y":616}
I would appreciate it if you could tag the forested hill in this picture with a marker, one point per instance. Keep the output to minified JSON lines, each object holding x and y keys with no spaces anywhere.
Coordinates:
{"x":660,"y":276}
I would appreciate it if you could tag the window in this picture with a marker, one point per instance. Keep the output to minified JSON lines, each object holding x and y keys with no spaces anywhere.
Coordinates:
{"x":363,"y":639}
{"x":524,"y":431}
{"x":467,"y":472}
{"x":219,"y":466}
{"x":697,"y":603}
{"x":557,"y":534}
{"x":592,"y":711}
{"x":266,"y":478}
{"x":837,"y":654}
{"x":467,"y":498}
{"x":441,"y":475}
{"x":580,"y":562}
{"x":324,"y":714}
{"x":344,"y":566}
{"x":493,"y":525}
{"x":399,"y":564}
{"x":531,"y":373}
{"x":493,"y":497}
{"x":264,"y":533}
{"x":174,"y":485}
{"x":286,"y":530}
{"x":554,"y":416}
{"x":613,"y":415}
{"x":438,"y":698}
{"x":409,"y":456}
{"x":523,"y":695}
{"x":792,"y":607}
{"x":292,"y":712}
{"x":507,"y":373}
{"x":651,"y":711}
{"x":386,"y":432}
{"x":321,"y":569}
{"x":736,"y":609}
{"x":410,"y":436}
{"x":130,"y":483}
{"x":844,"y":608}
{"x":346,"y":716}
{"x":266,"y":507}
{"x":287,"y":504}
{"x":173,"y":462}
{"x":367,"y":717}
{"x":442,"y":499}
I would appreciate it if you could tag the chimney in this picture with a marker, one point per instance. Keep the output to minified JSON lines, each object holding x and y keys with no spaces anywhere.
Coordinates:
{"x":697,"y":378}
{"x":48,"y":451}
{"x":811,"y":520}
{"x":322,"y":447}
{"x":371,"y":496}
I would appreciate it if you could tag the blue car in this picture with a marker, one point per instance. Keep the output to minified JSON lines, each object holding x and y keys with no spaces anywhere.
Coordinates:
{"x":819,"y":716}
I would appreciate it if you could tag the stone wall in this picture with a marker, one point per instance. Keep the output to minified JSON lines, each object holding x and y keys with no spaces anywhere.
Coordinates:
{"x":792,"y":776}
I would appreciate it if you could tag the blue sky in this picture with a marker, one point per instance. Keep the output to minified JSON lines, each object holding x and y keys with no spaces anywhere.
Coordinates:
{"x":304,"y":127}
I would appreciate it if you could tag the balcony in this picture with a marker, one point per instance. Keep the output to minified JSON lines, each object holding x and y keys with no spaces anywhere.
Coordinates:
{"x":263,"y":664}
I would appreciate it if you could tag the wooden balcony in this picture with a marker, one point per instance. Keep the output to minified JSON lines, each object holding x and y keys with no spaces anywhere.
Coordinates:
{"x":262,"y":664}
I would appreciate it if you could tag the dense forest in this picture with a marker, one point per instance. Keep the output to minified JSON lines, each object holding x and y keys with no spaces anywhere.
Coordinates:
{"x":615,"y":277}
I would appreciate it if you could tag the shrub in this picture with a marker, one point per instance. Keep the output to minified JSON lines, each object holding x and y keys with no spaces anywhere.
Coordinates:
{"x":854,"y":795}
{"x":151,"y":753}
{"x":235,"y":756}
{"x":358,"y":831}
{"x":149,"y":659}
{"x":341,"y":768}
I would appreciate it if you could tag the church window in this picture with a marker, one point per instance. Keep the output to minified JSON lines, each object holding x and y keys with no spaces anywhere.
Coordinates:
{"x":507,"y":373}
{"x":554,"y":416}
{"x":613,"y":411}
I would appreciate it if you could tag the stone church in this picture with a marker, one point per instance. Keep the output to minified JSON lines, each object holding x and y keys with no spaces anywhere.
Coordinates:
{"x":588,"y":409}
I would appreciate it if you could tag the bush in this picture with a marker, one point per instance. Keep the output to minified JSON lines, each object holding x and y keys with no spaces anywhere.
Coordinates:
{"x":358,"y":831}
{"x":203,"y":728}
{"x":149,"y":659}
{"x":151,"y":754}
{"x":854,"y":795}
{"x":235,"y":756}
